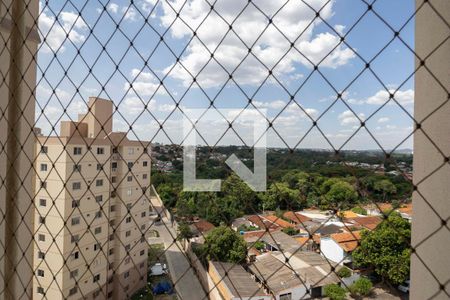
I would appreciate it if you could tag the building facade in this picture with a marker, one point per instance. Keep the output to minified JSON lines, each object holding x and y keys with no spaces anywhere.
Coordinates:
{"x":92,"y":210}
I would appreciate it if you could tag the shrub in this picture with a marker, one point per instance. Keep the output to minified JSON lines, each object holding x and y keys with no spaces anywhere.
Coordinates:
{"x":359,"y":210}
{"x":361,"y":287}
{"x":344,"y":272}
{"x":335,"y":292}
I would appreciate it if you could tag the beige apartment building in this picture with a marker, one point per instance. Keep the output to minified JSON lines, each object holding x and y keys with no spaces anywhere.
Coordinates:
{"x":92,"y":210}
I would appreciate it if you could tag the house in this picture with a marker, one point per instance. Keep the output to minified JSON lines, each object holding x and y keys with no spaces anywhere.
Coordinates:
{"x":339,"y":246}
{"x":279,"y":221}
{"x":369,"y":222}
{"x":234,"y":283}
{"x":295,"y":217}
{"x":262,"y":223}
{"x":326,"y":229}
{"x":201,"y":227}
{"x":377,"y":209}
{"x":306,"y":272}
{"x":279,"y":241}
{"x":239,"y":223}
{"x":278,"y":279}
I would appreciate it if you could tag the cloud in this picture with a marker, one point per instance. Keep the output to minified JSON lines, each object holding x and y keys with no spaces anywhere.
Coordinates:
{"x":113,"y":8}
{"x":231,"y":48}
{"x":403,"y":97}
{"x":143,"y":84}
{"x":349,"y":118}
{"x":69,"y":27}
{"x":383,"y":120}
{"x":130,"y":13}
{"x":277,"y":104}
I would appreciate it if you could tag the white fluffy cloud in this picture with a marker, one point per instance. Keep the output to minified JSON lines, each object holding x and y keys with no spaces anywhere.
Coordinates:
{"x":383,"y":120}
{"x":349,"y":118}
{"x":113,"y":8}
{"x":67,"y":27}
{"x":293,"y":19}
{"x":403,"y":97}
{"x":143,"y":84}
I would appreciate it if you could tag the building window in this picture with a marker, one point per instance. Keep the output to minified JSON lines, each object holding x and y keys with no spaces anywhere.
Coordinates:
{"x":42,"y":202}
{"x":98,"y":230}
{"x":129,"y":192}
{"x":76,"y":168}
{"x":77,"y":150}
{"x":115,"y":150}
{"x":143,"y":227}
{"x":41,"y":237}
{"x":75,"y":203}
{"x":144,"y":163}
{"x":75,"y":221}
{"x":97,"y":247}
{"x":126,"y":274}
{"x":42,"y":220}
{"x":111,"y":237}
{"x":100,"y":150}
{"x":142,"y":252}
{"x":74,"y":273}
{"x":114,"y":166}
{"x":143,"y":214}
{"x":144,"y":176}
{"x":76,"y":186}
{"x":130,"y":151}
{"x":73,"y":291}
{"x":44,"y":149}
{"x":44,"y":167}
{"x":128,"y":220}
{"x":99,"y":198}
{"x":111,"y":251}
{"x":40,"y":290}
{"x":40,"y":273}
{"x":99,"y":167}
{"x":99,"y":182}
{"x":44,"y":184}
{"x":127,"y":233}
{"x":129,"y":178}
{"x":98,"y":214}
{"x":127,"y":247}
{"x":112,"y":208}
{"x":114,"y":179}
{"x":130,"y":165}
{"x":74,"y":238}
{"x":41,"y":255}
{"x":127,"y":260}
{"x":75,"y":255}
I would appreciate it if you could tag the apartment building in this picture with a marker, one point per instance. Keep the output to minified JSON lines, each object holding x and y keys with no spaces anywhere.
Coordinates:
{"x":92,"y":210}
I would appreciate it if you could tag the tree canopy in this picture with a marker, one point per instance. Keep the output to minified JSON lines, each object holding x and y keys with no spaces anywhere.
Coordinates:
{"x":386,"y":249}
{"x":224,"y":244}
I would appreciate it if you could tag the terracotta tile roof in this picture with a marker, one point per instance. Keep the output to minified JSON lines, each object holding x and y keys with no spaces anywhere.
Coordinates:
{"x":278,"y":221}
{"x":370,"y":222}
{"x":406,"y":209}
{"x":296,"y":218}
{"x":384,"y":207}
{"x":203,"y":226}
{"x":347,"y":214}
{"x":262,"y":222}
{"x":347,"y":240}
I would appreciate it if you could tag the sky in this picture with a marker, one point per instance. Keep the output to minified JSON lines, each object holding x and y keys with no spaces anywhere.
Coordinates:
{"x":303,"y":55}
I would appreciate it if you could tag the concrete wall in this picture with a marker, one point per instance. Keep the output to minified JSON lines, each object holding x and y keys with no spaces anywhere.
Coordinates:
{"x":430,"y":264}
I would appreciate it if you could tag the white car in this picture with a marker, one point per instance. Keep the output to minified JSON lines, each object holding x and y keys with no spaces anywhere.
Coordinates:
{"x":404,"y":287}
{"x":158,"y":269}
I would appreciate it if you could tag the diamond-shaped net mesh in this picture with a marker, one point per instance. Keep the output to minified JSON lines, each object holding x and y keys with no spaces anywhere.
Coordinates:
{"x":101,"y":100}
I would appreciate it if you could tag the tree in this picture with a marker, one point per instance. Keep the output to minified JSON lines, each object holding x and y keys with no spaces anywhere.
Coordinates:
{"x":339,"y":194}
{"x":239,"y":193}
{"x":184,"y":232}
{"x":361,"y":287}
{"x":334,"y":292}
{"x":385,"y":187}
{"x":386,"y":249}
{"x":224,"y":244}
{"x":281,"y":196}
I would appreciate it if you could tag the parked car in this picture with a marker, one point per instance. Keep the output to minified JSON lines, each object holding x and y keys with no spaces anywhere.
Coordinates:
{"x":404,"y":287}
{"x":158,"y":269}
